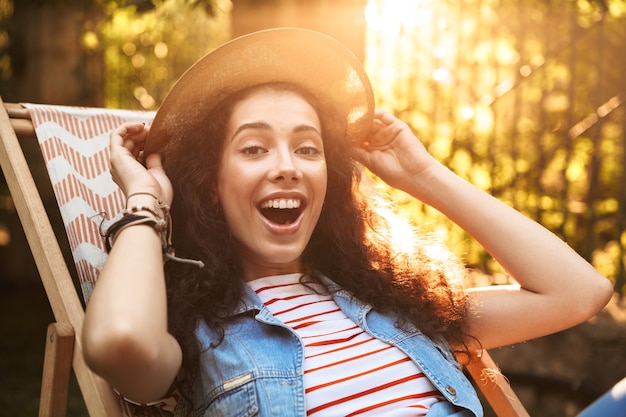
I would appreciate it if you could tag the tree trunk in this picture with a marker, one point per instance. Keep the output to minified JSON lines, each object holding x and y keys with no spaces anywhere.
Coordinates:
{"x":49,"y":61}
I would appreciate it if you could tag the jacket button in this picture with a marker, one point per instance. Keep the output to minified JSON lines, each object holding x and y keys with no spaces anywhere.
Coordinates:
{"x":450,"y":389}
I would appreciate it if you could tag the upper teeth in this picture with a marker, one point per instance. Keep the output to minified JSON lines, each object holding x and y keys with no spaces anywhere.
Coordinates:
{"x":281,"y":204}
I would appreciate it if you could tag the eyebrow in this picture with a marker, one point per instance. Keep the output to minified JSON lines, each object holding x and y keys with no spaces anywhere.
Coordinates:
{"x":266,"y":126}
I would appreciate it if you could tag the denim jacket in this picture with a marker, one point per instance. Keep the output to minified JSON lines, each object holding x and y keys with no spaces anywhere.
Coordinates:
{"x":257,"y":369}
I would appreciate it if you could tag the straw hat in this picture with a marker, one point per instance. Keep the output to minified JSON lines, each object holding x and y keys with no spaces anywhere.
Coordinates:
{"x":319,"y":63}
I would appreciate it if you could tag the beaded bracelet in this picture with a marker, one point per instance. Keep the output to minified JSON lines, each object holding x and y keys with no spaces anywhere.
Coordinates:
{"x":135,"y":209}
{"x":159,"y":206}
{"x":163,"y":226}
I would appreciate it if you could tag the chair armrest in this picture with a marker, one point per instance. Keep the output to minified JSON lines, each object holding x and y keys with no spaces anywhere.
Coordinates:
{"x":494,"y":386}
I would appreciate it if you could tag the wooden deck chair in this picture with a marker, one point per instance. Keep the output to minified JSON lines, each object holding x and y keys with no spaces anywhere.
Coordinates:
{"x":74,"y":144}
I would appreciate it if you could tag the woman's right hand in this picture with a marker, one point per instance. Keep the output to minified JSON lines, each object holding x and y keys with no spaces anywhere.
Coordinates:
{"x":129,"y":169}
{"x":125,"y":335}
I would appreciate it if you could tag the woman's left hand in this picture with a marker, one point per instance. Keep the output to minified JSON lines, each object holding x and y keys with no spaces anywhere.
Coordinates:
{"x":393,"y":152}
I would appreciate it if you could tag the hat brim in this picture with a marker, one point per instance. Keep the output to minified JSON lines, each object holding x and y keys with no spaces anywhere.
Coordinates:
{"x":315,"y":61}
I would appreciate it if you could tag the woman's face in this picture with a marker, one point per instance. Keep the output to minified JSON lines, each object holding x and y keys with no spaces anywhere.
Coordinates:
{"x":272,"y":180}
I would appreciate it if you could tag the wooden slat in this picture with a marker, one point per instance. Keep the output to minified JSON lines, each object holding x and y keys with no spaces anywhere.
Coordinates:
{"x":23,"y":128}
{"x":20,"y":120}
{"x":53,"y":270}
{"x":16,"y":111}
{"x":57,"y":366}
{"x":495,"y":387}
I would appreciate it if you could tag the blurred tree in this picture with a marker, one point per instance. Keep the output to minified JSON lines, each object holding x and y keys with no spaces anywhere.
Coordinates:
{"x":138,"y":42}
{"x":113,"y":53}
{"x":71,"y":52}
{"x":43,"y":59}
{"x":524,"y":99}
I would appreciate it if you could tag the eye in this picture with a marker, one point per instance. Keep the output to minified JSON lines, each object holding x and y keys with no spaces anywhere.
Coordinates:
{"x":308,"y":151}
{"x":253,"y":150}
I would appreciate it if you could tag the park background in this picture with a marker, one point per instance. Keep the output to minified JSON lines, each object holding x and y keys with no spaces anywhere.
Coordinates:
{"x":524,"y":99}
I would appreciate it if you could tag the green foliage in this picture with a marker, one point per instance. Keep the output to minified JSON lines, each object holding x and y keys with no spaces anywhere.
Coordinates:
{"x":145,"y":46}
{"x":145,"y":53}
{"x":525,"y":100}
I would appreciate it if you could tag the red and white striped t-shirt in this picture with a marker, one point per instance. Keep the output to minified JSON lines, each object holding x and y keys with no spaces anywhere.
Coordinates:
{"x":346,"y":371}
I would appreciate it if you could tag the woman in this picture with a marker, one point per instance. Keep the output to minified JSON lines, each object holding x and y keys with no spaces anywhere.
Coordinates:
{"x":289,"y":294}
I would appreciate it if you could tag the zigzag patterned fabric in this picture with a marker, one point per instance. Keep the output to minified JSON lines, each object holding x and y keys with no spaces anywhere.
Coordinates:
{"x":75,"y":145}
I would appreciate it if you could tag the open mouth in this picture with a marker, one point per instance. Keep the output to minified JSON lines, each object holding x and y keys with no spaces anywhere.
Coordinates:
{"x":282,"y":211}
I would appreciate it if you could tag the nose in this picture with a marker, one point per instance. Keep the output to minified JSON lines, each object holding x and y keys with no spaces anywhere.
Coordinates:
{"x":285,"y":168}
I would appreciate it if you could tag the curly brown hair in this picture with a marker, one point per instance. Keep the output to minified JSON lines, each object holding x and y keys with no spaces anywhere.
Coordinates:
{"x":353,"y":243}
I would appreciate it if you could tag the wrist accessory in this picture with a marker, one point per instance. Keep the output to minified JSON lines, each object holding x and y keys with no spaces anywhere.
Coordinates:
{"x":159,"y":219}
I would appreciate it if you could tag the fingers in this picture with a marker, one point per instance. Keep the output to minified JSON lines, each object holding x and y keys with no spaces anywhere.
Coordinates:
{"x":129,"y":129}
{"x":153,"y":161}
{"x":128,"y":167}
{"x":384,"y":116}
{"x":377,"y":125}
{"x":131,"y":137}
{"x":155,"y":167}
{"x":385,"y":129}
{"x":126,"y":148}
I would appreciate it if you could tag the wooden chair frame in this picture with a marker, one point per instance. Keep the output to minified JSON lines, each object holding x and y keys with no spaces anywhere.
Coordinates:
{"x":63,"y":346}
{"x":65,"y":334}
